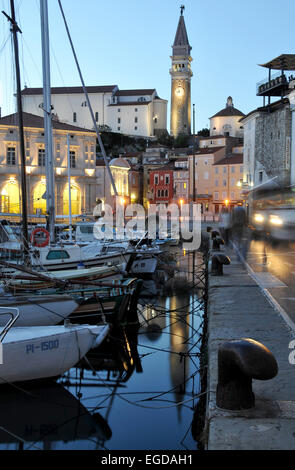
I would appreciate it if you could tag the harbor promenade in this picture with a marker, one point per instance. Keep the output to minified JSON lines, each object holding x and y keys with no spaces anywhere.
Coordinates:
{"x":237,"y":309}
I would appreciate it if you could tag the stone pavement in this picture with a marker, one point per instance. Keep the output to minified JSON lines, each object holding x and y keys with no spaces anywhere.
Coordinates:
{"x":237,"y":308}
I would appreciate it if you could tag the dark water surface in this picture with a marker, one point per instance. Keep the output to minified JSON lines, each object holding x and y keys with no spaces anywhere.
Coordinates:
{"x":137,"y":391}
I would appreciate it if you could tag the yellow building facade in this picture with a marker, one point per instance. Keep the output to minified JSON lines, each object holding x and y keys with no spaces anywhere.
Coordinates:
{"x":82,"y":157}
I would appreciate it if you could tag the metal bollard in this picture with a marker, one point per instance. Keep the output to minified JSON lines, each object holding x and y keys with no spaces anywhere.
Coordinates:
{"x":240,"y":361}
{"x":218,"y":260}
{"x":215,"y":233}
{"x":217,"y":241}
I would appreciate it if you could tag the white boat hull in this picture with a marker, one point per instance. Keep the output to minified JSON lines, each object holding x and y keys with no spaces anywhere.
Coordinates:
{"x":41,"y":352}
{"x":36,"y":310}
{"x":144,"y":266}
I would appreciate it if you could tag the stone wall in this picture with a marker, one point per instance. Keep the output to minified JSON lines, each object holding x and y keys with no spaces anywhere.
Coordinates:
{"x":272,"y":141}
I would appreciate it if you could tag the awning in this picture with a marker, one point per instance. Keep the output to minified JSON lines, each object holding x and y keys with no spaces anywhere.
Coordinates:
{"x":282,"y":62}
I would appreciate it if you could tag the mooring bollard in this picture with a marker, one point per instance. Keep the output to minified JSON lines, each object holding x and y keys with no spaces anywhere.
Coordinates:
{"x":218,"y":260}
{"x":240,"y":361}
{"x":216,"y":242}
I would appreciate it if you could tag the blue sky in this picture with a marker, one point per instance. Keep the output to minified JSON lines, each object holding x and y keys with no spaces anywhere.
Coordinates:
{"x":128,"y":43}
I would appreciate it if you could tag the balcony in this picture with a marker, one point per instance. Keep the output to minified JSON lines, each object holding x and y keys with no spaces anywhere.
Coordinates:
{"x":275,"y":86}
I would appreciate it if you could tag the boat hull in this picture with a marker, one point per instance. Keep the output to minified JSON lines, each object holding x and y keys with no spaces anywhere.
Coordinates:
{"x":37,"y":310}
{"x":35,"y":353}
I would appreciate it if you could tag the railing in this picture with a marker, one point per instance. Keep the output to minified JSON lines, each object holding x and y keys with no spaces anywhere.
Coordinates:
{"x":14,"y":316}
{"x":274,"y":81}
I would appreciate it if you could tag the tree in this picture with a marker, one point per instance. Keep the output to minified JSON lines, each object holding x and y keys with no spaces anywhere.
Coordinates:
{"x":205,"y":132}
{"x":182,"y":140}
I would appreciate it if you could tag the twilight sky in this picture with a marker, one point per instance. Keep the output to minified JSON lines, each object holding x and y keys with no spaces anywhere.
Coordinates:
{"x":128,"y":43}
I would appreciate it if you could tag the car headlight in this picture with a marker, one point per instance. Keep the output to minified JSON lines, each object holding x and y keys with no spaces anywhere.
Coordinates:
{"x":259,"y":218}
{"x":275,"y":220}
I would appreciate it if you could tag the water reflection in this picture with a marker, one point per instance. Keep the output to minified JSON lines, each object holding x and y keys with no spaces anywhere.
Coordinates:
{"x":136,"y":391}
{"x":41,"y":417}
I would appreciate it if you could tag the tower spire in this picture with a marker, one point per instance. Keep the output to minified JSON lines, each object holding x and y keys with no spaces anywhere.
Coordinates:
{"x":181,"y":74}
{"x":181,"y":44}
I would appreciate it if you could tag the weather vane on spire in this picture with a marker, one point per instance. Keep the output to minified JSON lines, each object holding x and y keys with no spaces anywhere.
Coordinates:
{"x":181,"y":9}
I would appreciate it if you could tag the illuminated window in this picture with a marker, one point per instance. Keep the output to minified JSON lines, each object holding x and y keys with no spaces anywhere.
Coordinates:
{"x":11,"y":156}
{"x":72,"y":159}
{"x":41,"y":157}
{"x":38,"y":201}
{"x":27,"y":147}
{"x":10,"y":198}
{"x":75,"y":199}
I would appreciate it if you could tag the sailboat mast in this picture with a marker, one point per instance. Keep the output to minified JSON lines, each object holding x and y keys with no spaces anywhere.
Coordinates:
{"x":15,"y":29}
{"x":49,"y":163}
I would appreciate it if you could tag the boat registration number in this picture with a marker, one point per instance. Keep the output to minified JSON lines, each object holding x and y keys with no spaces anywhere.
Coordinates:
{"x":44,"y":346}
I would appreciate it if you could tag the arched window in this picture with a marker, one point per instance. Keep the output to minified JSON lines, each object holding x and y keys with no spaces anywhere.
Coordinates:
{"x":10,"y":197}
{"x":162,"y":193}
{"x":38,"y":201}
{"x":166,"y":192}
{"x":75,"y":199}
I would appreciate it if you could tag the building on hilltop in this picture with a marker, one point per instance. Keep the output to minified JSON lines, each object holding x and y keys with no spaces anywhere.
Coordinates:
{"x":227,"y":121}
{"x":140,"y":113}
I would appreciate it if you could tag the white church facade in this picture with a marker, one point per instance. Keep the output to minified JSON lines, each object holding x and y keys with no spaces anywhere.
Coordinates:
{"x":133,"y":112}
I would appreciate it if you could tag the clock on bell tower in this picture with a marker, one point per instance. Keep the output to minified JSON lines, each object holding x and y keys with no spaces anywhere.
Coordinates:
{"x":181,"y":73}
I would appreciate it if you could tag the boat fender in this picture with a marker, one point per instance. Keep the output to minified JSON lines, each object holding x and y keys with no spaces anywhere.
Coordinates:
{"x":81,"y":265}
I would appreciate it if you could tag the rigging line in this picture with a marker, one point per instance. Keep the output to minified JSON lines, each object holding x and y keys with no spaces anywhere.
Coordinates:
{"x":160,"y":394}
{"x":32,"y":58}
{"x":19,"y":438}
{"x":5,"y":41}
{"x":151,"y":407}
{"x":61,"y":76}
{"x":89,"y":104}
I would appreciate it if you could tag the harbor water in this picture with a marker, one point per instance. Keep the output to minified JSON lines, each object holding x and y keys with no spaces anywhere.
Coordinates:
{"x":138,"y":390}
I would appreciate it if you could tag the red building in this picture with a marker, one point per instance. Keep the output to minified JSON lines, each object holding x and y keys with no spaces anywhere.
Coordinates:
{"x":161,"y":185}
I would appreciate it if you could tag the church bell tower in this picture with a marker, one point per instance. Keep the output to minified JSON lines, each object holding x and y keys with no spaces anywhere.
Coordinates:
{"x":181,"y":73}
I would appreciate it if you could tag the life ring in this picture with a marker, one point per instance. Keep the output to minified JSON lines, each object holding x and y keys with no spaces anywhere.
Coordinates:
{"x":33,"y":237}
